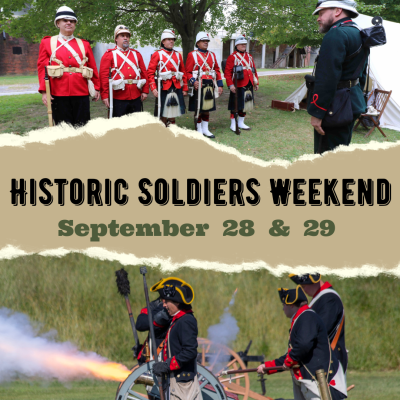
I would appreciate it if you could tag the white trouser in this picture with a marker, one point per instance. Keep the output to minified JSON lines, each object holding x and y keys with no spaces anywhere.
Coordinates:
{"x":305,"y":390}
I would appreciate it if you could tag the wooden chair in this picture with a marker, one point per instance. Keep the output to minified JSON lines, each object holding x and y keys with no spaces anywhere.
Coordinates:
{"x":380,"y":101}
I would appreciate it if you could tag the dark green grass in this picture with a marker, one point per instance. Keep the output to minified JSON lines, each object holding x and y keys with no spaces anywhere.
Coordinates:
{"x":77,"y":296}
{"x":274,"y":134}
{"x":368,"y":385}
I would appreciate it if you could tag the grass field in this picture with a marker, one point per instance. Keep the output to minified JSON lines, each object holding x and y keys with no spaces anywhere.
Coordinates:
{"x":18,"y":79}
{"x":274,"y":134}
{"x":374,"y":386}
{"x":77,"y":296}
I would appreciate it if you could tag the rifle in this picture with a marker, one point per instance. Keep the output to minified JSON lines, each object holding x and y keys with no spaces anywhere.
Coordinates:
{"x":245,"y":371}
{"x":110,"y":88}
{"x":236,"y":111}
{"x":158,"y":99}
{"x":48,"y":97}
{"x":143,"y":271}
{"x":124,"y":290}
{"x":199,"y":79}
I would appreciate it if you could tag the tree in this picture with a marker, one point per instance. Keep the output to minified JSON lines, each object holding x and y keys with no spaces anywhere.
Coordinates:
{"x":389,"y":9}
{"x":97,"y":19}
{"x":285,"y":21}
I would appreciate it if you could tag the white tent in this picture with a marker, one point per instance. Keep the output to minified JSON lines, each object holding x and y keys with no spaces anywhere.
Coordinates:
{"x":384,"y":64}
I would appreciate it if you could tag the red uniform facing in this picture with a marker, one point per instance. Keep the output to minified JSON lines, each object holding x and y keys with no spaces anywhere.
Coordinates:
{"x":173,"y":63}
{"x":131,"y":91}
{"x":207,"y":61}
{"x":70,"y":83}
{"x":244,"y":59}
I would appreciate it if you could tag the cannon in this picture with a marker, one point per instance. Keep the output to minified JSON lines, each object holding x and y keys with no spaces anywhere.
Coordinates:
{"x":130,"y":389}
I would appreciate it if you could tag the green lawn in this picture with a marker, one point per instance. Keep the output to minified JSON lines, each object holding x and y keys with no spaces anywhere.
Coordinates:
{"x":274,"y":134}
{"x":18,"y":79}
{"x":378,"y":385}
{"x":371,"y":386}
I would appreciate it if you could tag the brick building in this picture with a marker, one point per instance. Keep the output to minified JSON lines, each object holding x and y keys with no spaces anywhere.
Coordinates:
{"x":17,"y":57}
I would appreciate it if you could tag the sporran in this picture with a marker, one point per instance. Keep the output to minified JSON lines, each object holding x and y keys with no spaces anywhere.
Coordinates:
{"x":248,"y":101}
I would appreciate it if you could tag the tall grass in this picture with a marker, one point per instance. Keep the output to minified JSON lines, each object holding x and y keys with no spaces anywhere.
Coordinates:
{"x":77,"y":296}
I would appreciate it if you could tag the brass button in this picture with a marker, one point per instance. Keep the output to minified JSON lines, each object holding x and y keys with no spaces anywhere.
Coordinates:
{"x":129,"y":67}
{"x":330,"y":113}
{"x":331,"y":362}
{"x":330,"y":372}
{"x":184,"y":375}
{"x":130,"y":75}
{"x":339,"y":348}
{"x":69,"y":57}
{"x":70,"y":73}
{"x":179,"y":376}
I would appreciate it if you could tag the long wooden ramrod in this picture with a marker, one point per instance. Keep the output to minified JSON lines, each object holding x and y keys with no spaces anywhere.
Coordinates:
{"x":48,"y":97}
{"x":243,"y":371}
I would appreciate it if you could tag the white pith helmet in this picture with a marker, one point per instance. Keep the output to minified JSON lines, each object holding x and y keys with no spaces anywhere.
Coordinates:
{"x":348,"y":5}
{"x":168,"y":34}
{"x":240,"y":40}
{"x":121,"y":29}
{"x":202,"y":36}
{"x":65,"y":13}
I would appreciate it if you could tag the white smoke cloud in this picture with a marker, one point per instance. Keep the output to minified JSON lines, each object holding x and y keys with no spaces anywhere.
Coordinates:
{"x":227,"y":329}
{"x":26,"y":354}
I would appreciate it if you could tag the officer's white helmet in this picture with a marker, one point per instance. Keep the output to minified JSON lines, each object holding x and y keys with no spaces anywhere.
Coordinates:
{"x":348,"y":5}
{"x":202,"y":36}
{"x":168,"y":34}
{"x":65,"y":13}
{"x":121,"y":29}
{"x":240,"y":40}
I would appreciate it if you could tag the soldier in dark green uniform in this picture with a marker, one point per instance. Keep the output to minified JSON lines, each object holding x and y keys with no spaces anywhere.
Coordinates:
{"x":335,"y":70}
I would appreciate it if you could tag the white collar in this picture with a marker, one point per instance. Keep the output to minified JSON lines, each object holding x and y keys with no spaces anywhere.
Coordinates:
{"x":65,"y":37}
{"x":176,"y":313}
{"x":123,"y":50}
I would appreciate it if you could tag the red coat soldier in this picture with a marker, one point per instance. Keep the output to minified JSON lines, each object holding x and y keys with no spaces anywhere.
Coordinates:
{"x":247,"y":81}
{"x":205,"y":61}
{"x":172,"y":84}
{"x":128,"y":76}
{"x":72,"y":70}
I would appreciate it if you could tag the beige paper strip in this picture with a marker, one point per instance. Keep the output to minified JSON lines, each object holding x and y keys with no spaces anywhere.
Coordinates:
{"x":131,"y":148}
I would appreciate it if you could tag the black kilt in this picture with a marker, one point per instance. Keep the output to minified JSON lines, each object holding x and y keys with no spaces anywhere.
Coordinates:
{"x":74,"y":110}
{"x":164,"y":94}
{"x":240,"y":101}
{"x":193,"y":99}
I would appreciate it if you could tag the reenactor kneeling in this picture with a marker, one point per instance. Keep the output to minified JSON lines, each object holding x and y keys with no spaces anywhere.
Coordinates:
{"x":72,"y":70}
{"x":202,"y":69}
{"x":308,"y":351}
{"x":171,"y":83}
{"x":124,"y":90}
{"x":242,"y":64}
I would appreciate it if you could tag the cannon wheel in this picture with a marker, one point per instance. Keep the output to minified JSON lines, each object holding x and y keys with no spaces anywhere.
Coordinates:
{"x":239,"y":383}
{"x":210,"y":387}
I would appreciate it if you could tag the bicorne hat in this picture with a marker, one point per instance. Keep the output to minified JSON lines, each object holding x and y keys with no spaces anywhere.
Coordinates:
{"x":306,"y":279}
{"x":291,"y":296}
{"x":174,"y":289}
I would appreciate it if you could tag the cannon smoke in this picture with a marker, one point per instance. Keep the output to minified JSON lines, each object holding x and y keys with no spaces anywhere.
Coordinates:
{"x":24,"y":353}
{"x":227,"y":329}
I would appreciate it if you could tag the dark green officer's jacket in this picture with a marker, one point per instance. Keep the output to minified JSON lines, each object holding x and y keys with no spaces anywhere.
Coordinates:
{"x":338,"y":43}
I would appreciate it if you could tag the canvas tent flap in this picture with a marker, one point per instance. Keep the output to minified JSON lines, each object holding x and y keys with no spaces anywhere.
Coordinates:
{"x":384,"y":64}
{"x":297,"y":96}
